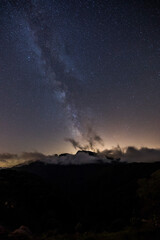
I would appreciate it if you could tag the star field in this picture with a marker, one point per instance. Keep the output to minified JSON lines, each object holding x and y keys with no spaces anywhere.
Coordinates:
{"x":70,"y":66}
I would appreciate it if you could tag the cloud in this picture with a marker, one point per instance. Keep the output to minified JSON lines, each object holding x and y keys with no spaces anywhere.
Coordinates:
{"x":98,"y":139}
{"x":129,"y":154}
{"x":10,"y":160}
{"x":133,"y":154}
{"x":90,"y":138}
{"x":81,"y":157}
{"x":7,"y":156}
{"x":74,"y":143}
{"x":114,"y":153}
{"x":93,"y":139}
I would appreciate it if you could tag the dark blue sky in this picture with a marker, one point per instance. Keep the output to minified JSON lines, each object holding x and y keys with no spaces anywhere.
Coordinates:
{"x":79,"y":69}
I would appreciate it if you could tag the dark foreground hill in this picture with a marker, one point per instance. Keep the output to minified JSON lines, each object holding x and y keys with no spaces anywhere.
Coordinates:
{"x":79,"y":199}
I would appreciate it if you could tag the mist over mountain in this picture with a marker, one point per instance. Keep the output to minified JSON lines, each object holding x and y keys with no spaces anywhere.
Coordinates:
{"x":129,"y":154}
{"x":78,"y":194}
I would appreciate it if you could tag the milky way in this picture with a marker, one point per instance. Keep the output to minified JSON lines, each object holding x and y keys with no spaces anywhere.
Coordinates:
{"x":80,"y":70}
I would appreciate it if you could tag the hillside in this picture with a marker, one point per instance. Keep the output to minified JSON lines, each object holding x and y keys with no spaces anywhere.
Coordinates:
{"x":67,"y":199}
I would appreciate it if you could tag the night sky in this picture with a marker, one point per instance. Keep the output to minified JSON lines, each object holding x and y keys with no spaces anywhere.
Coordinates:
{"x":82,"y":70}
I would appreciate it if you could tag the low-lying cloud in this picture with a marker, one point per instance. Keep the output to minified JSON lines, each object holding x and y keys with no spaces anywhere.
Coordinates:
{"x":129,"y":155}
{"x":10,"y":160}
{"x":144,"y":154}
